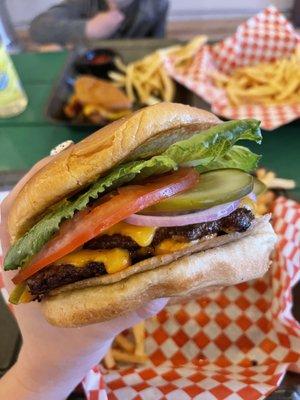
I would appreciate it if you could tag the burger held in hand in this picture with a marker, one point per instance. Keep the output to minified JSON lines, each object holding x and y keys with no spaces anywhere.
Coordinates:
{"x":158,"y":204}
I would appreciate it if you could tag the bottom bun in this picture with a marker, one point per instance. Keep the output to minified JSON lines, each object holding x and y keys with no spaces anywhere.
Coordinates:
{"x":235,"y":262}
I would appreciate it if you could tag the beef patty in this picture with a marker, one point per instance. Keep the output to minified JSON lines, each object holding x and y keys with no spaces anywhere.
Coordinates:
{"x":58,"y":275}
{"x":238,"y":221}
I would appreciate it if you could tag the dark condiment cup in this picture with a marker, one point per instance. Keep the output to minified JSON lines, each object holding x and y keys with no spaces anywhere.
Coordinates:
{"x":97,"y":62}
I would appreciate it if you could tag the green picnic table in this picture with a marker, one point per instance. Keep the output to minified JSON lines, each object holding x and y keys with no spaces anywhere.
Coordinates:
{"x":28,"y":137}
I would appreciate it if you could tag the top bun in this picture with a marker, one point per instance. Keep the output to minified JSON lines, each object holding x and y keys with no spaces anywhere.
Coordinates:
{"x":83,"y":163}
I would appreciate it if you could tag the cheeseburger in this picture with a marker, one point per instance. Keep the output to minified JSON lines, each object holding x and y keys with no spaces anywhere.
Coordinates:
{"x":158,"y":204}
{"x":97,"y":100}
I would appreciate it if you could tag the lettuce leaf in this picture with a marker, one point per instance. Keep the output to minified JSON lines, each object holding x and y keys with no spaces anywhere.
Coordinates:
{"x":214,"y":143}
{"x":211,"y":148}
{"x":237,"y":157}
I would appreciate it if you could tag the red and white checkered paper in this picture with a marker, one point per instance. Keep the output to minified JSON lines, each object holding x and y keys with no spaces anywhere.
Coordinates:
{"x":263,"y":38}
{"x":235,"y":344}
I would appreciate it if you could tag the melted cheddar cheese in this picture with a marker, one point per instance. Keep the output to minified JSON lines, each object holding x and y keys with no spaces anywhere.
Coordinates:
{"x":114,"y":260}
{"x":169,"y":246}
{"x":142,"y":235}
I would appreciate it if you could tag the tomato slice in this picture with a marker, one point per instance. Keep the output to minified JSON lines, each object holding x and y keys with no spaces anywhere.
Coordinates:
{"x":89,"y":223}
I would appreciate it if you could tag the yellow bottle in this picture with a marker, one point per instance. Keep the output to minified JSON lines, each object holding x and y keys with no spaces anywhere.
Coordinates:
{"x":13,"y":99}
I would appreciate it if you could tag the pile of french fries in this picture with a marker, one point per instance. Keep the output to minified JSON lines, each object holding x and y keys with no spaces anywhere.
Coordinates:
{"x":146,"y":81}
{"x":269,"y":178}
{"x":265,"y":84}
{"x":127,"y":351}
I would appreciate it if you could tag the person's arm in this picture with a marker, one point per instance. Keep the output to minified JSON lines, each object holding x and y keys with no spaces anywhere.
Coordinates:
{"x":75,"y":20}
{"x":63,"y":23}
{"x":46,"y":376}
{"x":159,"y":28}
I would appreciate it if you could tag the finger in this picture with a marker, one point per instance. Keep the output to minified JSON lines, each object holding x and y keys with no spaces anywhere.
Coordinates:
{"x":5,"y":239}
{"x":116,"y":15}
{"x":152,"y":308}
{"x":7,"y":279}
{"x":113,"y":327}
{"x":112,"y":5}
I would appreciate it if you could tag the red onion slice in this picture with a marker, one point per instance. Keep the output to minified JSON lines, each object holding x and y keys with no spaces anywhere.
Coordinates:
{"x":211,"y":214}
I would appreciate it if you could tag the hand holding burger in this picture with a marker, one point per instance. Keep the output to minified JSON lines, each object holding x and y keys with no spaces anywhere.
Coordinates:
{"x":53,"y":361}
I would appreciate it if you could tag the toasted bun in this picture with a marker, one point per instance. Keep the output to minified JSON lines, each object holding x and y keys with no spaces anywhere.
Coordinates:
{"x":91,"y":90}
{"x":81,"y":164}
{"x":232,"y":263}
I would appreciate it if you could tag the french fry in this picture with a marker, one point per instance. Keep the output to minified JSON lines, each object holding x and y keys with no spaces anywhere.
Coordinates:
{"x":155,"y":63}
{"x":155,"y":81}
{"x":264,"y":202}
{"x":270,"y":179}
{"x":124,"y":350}
{"x":124,"y":343}
{"x":109,"y":361}
{"x":220,"y":78}
{"x":119,"y":355}
{"x":279,"y":183}
{"x":139,"y":337}
{"x":233,"y":94}
{"x":168,"y":93}
{"x":117,"y":77}
{"x":152,"y":100}
{"x":289,"y":89}
{"x":141,"y":91}
{"x":261,"y":172}
{"x":128,"y":82}
{"x":120,"y":65}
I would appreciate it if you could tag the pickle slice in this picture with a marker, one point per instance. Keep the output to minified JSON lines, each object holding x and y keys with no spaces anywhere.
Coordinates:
{"x":258,"y":187}
{"x":214,"y":187}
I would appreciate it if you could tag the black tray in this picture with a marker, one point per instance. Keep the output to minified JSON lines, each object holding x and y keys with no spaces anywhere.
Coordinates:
{"x":63,"y":87}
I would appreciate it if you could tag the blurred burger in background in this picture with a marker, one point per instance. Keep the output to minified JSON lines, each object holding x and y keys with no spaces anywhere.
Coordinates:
{"x":97,"y":101}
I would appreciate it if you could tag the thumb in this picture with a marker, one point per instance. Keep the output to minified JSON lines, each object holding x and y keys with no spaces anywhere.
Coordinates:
{"x":108,"y":329}
{"x":152,"y":308}
{"x":112,"y":5}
